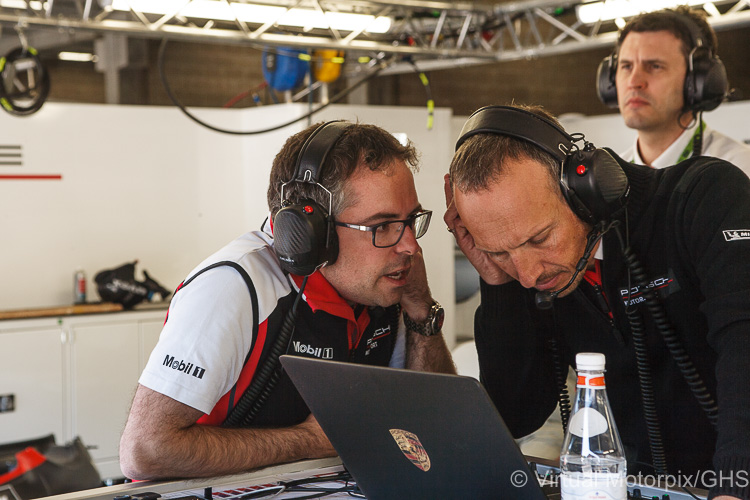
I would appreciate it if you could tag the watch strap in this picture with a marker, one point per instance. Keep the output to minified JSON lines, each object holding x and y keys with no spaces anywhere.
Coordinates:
{"x":432,"y":325}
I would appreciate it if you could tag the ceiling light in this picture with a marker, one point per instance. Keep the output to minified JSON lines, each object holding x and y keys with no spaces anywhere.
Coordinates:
{"x":257,"y":14}
{"x":77,"y":56}
{"x":21,"y":4}
{"x":609,"y":10}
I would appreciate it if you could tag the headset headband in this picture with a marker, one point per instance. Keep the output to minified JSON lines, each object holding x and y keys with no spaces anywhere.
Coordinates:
{"x":696,"y":34}
{"x":315,"y":150}
{"x":521,"y":124}
{"x":591,"y":180}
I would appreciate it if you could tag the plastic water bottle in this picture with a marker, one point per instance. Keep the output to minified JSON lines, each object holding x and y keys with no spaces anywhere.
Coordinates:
{"x":592,"y":461}
{"x":79,"y":287}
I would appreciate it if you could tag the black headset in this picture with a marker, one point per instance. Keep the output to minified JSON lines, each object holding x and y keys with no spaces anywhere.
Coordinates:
{"x":304,"y":233}
{"x":591,"y":180}
{"x":17,"y":99}
{"x":706,"y":83}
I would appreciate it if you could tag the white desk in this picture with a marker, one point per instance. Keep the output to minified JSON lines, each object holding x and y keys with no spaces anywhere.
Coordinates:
{"x":285,"y":472}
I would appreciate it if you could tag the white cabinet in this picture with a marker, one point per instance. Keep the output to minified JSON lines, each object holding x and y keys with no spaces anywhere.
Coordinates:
{"x":31,"y":379}
{"x":75,"y":376}
{"x":103,"y":374}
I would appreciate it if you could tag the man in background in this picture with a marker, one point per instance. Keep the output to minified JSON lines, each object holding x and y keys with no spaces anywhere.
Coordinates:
{"x":663,"y":74}
{"x":199,"y":410}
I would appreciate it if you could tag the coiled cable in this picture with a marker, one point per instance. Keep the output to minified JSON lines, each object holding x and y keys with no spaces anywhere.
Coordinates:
{"x":671,"y":339}
{"x":561,"y":377}
{"x":693,"y":379}
{"x":267,"y":375}
{"x":646,"y":382}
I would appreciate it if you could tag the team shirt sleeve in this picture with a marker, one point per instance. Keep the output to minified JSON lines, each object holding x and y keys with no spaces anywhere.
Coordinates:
{"x":205,"y":339}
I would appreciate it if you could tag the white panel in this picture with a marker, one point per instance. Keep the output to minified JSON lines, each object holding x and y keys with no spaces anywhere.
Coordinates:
{"x":31,"y":369}
{"x":137,"y":183}
{"x":258,"y":152}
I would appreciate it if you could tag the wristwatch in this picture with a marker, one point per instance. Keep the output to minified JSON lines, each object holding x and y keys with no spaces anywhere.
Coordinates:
{"x":431,"y":325}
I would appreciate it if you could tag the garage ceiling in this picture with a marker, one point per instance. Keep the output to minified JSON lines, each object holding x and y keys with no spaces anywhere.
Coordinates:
{"x":432,"y":34}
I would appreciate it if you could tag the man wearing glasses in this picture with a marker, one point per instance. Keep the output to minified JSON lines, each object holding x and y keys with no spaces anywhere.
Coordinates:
{"x":200,"y":409}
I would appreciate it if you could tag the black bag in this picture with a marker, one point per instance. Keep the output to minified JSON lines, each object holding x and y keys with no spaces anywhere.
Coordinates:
{"x":40,"y":468}
{"x":120,"y":286}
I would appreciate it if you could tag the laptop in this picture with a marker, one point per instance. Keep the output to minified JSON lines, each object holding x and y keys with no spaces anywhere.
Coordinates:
{"x":408,"y":434}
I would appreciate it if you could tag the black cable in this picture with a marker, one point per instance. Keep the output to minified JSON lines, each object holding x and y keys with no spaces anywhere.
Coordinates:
{"x":176,"y":102}
{"x":648,"y":395}
{"x":302,"y":485}
{"x":682,"y":359}
{"x":698,"y":140}
{"x":645,"y":380}
{"x":671,"y":339}
{"x":561,"y":377}
{"x":267,"y":375}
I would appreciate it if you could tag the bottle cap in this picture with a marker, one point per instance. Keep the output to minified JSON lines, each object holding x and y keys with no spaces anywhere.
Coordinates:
{"x":593,"y":361}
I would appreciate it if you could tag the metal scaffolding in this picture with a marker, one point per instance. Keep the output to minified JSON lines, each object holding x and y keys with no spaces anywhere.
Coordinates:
{"x":434,"y":34}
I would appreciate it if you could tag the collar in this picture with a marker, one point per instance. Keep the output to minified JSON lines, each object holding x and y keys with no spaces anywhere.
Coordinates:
{"x":594,"y":276}
{"x":599,"y":254}
{"x":267,"y":226}
{"x":320,"y":295}
{"x":681,"y":149}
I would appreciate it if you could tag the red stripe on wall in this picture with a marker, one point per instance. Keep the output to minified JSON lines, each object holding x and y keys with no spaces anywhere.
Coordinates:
{"x":53,"y":177}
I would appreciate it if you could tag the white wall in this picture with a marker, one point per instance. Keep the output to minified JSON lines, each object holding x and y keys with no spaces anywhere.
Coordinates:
{"x":147,"y":183}
{"x":137,"y":183}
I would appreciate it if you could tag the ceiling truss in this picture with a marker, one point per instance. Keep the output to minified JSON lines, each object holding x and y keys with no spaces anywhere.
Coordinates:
{"x":432,"y":34}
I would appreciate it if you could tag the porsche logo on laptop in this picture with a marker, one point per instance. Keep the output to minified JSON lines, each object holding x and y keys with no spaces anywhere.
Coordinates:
{"x":412,"y":448}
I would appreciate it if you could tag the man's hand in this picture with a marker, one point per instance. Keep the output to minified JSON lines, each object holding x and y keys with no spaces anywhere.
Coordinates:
{"x":417,"y":299}
{"x":488,"y":270}
{"x":422,"y":353}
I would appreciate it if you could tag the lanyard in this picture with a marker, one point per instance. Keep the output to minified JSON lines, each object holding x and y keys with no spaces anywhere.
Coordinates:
{"x":687,"y":152}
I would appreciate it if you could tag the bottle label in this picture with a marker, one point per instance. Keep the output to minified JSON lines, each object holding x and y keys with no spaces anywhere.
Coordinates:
{"x":587,"y":422}
{"x":593,"y":487}
{"x":79,"y":290}
{"x":591,"y":381}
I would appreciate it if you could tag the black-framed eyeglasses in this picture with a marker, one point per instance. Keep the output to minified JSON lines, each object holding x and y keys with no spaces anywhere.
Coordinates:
{"x":389,"y":233}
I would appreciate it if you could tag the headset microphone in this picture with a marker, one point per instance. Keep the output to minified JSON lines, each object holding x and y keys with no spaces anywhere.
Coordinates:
{"x":544,"y":299}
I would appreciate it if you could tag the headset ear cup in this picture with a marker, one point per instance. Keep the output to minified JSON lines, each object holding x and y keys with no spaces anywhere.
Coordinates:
{"x":707,"y":84}
{"x":716,"y":85}
{"x":594,"y":185}
{"x":302,"y":238}
{"x":606,"y":87}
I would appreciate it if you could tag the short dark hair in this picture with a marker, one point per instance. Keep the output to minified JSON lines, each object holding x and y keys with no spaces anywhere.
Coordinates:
{"x":360,"y":146}
{"x":673,"y":21}
{"x":480,"y":159}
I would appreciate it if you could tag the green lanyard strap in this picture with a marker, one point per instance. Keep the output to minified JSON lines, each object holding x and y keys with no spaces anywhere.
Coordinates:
{"x":697,"y":136}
